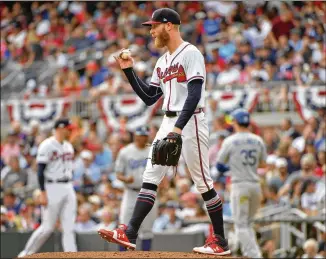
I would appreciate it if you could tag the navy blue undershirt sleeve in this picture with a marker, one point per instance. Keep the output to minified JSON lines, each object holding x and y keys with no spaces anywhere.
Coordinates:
{"x":222,"y":168}
{"x":40,"y":173}
{"x":148,"y":93}
{"x":193,"y":98}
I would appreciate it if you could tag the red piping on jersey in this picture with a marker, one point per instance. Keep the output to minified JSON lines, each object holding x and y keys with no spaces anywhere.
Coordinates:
{"x":179,"y":53}
{"x":171,"y":80}
{"x":200,"y":160}
{"x":169,"y":96}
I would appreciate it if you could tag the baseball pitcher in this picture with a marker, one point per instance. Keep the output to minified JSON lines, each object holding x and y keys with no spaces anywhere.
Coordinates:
{"x":130,"y":165}
{"x":55,"y":163}
{"x":241,"y":154}
{"x":179,"y":76}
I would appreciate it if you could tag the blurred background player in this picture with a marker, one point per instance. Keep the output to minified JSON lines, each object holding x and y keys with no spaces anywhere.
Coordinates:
{"x":242,"y":153}
{"x":55,"y":164}
{"x":130,"y":166}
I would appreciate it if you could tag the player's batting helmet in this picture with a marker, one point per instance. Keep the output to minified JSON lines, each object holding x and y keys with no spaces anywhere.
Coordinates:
{"x":241,"y":116}
{"x":142,"y":131}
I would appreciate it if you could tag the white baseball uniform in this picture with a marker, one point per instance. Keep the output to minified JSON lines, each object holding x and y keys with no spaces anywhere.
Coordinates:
{"x":131,"y":161}
{"x":62,"y":202}
{"x":243,"y":153}
{"x":172,"y":73}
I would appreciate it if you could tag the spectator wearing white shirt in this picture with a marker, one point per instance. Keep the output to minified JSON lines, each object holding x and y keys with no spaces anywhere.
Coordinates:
{"x":256,"y":34}
{"x":84,"y":222}
{"x":189,"y":203}
{"x":308,"y":165}
{"x":18,"y":36}
{"x":223,"y":8}
{"x":311,"y":248}
{"x":259,"y":72}
{"x":95,"y":202}
{"x":110,"y":86}
{"x":86,"y":173}
{"x":230,"y":75}
{"x":107,"y":220}
{"x":271,"y":170}
{"x":309,"y":198}
{"x":43,"y":26}
{"x":278,"y":181}
{"x":322,"y":69}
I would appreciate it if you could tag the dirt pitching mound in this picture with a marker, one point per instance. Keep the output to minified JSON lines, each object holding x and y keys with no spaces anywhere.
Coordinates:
{"x":128,"y":254}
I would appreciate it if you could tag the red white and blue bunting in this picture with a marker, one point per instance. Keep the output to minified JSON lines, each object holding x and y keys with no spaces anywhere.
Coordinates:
{"x":308,"y":99}
{"x":130,"y":106}
{"x":228,"y":101}
{"x":44,"y":111}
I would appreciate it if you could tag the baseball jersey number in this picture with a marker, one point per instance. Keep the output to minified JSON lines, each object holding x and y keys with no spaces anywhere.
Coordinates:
{"x":249,"y":157}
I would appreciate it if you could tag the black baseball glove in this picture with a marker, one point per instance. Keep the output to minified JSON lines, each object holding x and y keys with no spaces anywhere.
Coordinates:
{"x":165,"y":152}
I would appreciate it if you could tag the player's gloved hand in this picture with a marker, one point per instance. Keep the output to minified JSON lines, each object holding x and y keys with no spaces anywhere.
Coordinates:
{"x":167,"y":151}
{"x":177,"y":131}
{"x":43,"y":199}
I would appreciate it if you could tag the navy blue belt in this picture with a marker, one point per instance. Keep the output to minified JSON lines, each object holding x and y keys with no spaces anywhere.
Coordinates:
{"x":174,"y":114}
{"x":58,"y":181}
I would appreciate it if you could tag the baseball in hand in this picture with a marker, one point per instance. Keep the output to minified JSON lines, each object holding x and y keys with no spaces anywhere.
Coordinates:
{"x":125,"y":54}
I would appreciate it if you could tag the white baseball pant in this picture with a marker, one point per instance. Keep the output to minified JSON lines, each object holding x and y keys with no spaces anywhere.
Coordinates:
{"x":194,"y":151}
{"x":62,"y":204}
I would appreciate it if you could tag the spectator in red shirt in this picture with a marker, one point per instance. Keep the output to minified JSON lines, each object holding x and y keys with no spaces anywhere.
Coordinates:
{"x":219,"y":61}
{"x":283,"y":24}
{"x":321,"y":169}
{"x":11,"y":148}
{"x":72,"y":85}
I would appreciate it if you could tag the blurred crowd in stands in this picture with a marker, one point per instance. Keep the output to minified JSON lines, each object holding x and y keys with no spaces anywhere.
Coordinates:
{"x":242,"y":43}
{"x":294,"y":176}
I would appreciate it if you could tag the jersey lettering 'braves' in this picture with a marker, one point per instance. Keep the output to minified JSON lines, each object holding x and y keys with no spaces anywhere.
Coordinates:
{"x":173,"y":72}
{"x":58,"y":157}
{"x":242,"y":152}
{"x":132,"y":161}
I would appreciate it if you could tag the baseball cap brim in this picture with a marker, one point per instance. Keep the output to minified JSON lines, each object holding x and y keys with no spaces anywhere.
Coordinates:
{"x":141,"y":133}
{"x":149,"y":23}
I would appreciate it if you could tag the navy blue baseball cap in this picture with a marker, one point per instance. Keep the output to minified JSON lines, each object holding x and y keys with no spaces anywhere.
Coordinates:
{"x":62,"y":123}
{"x":241,"y":116}
{"x":142,"y":131}
{"x":164,"y":15}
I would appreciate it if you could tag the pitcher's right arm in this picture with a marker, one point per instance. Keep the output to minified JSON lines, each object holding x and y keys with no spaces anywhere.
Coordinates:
{"x":148,"y":93}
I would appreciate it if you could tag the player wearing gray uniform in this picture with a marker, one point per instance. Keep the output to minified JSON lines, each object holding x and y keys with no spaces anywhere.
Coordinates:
{"x":55,"y":164}
{"x":241,"y":154}
{"x":130,"y":166}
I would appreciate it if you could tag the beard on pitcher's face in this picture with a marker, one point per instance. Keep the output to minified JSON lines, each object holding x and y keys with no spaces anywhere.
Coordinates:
{"x":162,"y":39}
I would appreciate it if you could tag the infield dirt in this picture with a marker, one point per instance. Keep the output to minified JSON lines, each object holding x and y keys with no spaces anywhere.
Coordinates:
{"x":128,"y":254}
